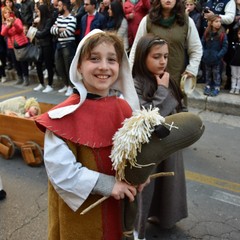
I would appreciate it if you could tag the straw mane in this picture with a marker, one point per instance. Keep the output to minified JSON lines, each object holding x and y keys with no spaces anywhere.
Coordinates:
{"x":128,"y":140}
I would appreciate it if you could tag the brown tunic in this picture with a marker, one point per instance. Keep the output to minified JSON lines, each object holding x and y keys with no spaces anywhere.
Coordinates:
{"x":88,"y":132}
{"x":176,"y":37}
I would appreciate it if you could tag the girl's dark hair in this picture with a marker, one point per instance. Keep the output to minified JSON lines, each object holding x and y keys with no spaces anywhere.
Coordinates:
{"x":155,"y":12}
{"x":145,"y":80}
{"x":45,"y":15}
{"x":118,"y":13}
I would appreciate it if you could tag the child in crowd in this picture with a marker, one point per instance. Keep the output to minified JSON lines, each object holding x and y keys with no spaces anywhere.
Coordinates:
{"x":2,"y":192}
{"x":215,"y":45}
{"x":162,"y":202}
{"x":78,"y":142}
{"x":191,"y":11}
{"x":235,"y":64}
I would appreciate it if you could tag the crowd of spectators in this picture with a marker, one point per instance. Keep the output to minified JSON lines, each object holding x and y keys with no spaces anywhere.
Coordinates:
{"x":61,"y":24}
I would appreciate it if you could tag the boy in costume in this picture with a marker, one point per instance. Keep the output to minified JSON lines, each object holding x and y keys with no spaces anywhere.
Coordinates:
{"x":78,"y":142}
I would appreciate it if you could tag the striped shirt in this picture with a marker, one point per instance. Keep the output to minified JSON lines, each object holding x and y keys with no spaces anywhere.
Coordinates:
{"x":69,"y":23}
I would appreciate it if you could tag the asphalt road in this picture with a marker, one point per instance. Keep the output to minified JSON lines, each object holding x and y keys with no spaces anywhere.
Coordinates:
{"x":213,"y":184}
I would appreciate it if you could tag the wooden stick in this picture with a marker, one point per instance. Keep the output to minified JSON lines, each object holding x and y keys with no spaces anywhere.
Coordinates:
{"x":161,"y":174}
{"x":93,"y":205}
{"x":153,"y":176}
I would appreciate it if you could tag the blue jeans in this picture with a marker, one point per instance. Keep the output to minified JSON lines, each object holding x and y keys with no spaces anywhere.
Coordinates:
{"x":63,"y":59}
{"x":213,"y":75}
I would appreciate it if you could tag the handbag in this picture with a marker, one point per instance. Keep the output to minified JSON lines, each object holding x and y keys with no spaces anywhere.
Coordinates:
{"x":29,"y":53}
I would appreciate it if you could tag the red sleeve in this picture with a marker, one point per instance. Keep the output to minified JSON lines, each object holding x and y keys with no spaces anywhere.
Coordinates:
{"x":18,"y":25}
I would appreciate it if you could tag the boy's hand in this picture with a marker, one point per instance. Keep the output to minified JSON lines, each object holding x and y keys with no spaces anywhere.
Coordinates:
{"x":122,"y":189}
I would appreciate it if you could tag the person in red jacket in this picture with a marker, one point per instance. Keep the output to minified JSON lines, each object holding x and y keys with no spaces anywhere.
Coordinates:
{"x":134,"y":11}
{"x":12,"y":29}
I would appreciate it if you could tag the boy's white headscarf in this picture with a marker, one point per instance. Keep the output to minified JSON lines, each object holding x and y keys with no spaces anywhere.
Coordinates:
{"x":124,"y":83}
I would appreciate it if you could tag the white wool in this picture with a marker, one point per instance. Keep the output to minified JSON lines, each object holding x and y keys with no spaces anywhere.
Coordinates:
{"x":128,"y":140}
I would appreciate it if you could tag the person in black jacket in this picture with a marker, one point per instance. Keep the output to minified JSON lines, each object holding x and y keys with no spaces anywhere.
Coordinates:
{"x":43,"y":39}
{"x":26,"y":10}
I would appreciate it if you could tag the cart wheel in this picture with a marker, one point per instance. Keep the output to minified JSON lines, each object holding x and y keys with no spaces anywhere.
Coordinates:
{"x":32,"y":154}
{"x":7,"y":147}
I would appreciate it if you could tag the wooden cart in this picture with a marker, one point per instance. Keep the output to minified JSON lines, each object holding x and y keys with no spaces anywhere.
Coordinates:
{"x":24,"y":134}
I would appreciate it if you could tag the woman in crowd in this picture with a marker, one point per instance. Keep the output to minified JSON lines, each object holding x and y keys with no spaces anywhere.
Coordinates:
{"x":168,"y":20}
{"x":43,"y":39}
{"x":117,"y":22}
{"x":12,"y":28}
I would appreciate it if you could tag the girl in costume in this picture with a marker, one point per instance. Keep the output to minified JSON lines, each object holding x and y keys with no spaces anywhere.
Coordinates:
{"x":78,"y":142}
{"x":163,"y":201}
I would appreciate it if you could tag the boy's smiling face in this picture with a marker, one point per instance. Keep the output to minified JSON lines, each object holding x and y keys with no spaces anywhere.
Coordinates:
{"x":100,"y":69}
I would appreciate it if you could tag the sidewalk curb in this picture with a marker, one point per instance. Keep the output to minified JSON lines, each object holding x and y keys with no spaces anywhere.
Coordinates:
{"x":223,"y":103}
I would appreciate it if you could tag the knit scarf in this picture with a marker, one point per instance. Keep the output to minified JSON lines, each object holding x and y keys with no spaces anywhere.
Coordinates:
{"x":168,"y":21}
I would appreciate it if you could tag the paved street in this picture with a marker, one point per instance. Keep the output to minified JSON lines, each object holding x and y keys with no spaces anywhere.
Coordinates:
{"x":213,"y":184}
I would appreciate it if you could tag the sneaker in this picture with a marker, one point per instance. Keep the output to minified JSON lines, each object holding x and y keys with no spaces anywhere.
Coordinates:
{"x":69,"y":91}
{"x":207,"y":91}
{"x":47,"y":89}
{"x":64,"y":89}
{"x":215,"y":92}
{"x":232,"y":90}
{"x":38,"y":88}
{"x":4,"y":79}
{"x":237,"y":91}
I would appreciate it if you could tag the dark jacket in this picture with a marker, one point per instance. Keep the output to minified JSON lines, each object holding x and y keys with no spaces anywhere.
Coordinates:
{"x":235,"y":54}
{"x":99,"y":22}
{"x":27,"y":9}
{"x":196,"y":17}
{"x":43,"y":36}
{"x":214,"y":49}
{"x":216,"y":6}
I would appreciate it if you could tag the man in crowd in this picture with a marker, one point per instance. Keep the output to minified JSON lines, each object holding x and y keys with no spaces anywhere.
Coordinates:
{"x":64,"y":29}
{"x":92,"y":19}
